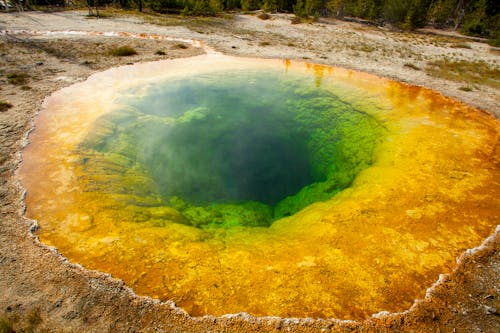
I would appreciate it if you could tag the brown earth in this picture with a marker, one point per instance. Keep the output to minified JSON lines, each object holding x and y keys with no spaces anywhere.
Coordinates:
{"x":41,"y":292}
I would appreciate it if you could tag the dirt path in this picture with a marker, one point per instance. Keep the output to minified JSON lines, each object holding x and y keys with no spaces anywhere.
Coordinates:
{"x":40,"y":291}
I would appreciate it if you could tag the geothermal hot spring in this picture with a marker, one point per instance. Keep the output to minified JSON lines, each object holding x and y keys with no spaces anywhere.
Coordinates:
{"x":272,"y":187}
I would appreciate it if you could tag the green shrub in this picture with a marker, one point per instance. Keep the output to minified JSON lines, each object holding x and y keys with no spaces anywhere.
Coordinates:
{"x":482,"y":19}
{"x":440,"y":13}
{"x":300,"y":9}
{"x":203,"y":7}
{"x":247,"y":5}
{"x":395,"y":11}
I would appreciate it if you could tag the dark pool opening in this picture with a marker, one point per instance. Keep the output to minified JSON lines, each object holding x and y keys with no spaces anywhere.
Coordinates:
{"x":233,"y":150}
{"x":259,"y":156}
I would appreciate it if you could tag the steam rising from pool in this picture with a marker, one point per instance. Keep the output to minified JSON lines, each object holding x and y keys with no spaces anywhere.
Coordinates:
{"x":270,"y":187}
{"x":231,"y":149}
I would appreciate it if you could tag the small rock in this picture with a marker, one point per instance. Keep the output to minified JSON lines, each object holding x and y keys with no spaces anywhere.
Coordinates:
{"x":490,"y":309}
{"x":58,"y":303}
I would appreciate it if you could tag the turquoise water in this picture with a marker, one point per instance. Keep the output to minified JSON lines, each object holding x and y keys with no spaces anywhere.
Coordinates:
{"x":244,"y":148}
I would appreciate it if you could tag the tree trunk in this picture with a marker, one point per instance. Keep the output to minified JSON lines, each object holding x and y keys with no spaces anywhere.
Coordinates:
{"x":16,"y":3}
{"x":459,"y":13}
{"x":96,"y":2}
{"x":91,"y":12}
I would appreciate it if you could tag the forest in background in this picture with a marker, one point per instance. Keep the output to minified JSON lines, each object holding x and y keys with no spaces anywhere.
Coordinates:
{"x":472,"y":17}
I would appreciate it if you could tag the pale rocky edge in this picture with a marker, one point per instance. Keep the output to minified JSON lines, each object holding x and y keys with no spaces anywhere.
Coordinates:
{"x":146,"y":314}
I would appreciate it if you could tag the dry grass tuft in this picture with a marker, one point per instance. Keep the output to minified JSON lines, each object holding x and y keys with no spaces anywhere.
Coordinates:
{"x":4,"y":106}
{"x":412,"y":66}
{"x":180,"y":46}
{"x":34,"y":318}
{"x":461,"y":46}
{"x":17,"y":78}
{"x":264,"y":16}
{"x":123,"y":51}
{"x":6,"y":326}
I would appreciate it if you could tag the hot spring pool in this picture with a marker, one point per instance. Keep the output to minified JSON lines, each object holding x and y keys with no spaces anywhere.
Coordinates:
{"x":263,"y":186}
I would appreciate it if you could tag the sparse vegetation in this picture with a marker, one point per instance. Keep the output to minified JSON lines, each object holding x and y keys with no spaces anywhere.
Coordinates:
{"x":34,"y":318}
{"x":494,"y":42}
{"x":461,"y":46}
{"x":6,"y":326}
{"x":471,"y":72}
{"x":364,"y":48}
{"x":160,"y":53}
{"x":17,"y":78}
{"x":98,"y":14}
{"x":123,"y":51}
{"x":467,"y":88}
{"x":4,"y":106}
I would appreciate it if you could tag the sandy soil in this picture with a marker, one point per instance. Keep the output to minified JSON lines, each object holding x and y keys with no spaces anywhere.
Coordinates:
{"x":40,"y":291}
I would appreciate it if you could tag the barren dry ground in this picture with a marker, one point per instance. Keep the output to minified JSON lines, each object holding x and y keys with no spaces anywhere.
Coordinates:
{"x":40,"y":291}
